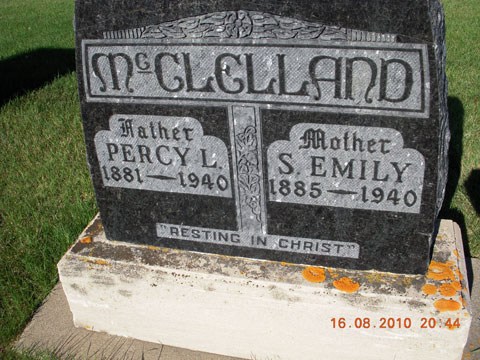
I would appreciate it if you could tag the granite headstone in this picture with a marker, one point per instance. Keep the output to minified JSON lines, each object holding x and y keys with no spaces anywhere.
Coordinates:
{"x":297,"y":131}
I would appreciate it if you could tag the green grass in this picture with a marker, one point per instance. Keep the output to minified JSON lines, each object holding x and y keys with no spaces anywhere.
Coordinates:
{"x":45,"y":191}
{"x":13,"y":354}
{"x":46,"y":196}
{"x":463,"y":39}
{"x":33,"y":24}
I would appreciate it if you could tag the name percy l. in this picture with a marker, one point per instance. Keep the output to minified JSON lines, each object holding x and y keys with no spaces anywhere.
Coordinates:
{"x":340,"y":76}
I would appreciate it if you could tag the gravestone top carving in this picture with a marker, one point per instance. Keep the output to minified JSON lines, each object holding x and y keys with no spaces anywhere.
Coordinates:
{"x":246,"y":24}
{"x":273,"y":132}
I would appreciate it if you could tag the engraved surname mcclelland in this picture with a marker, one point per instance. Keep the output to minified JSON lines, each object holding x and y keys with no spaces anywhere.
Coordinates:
{"x":350,"y":77}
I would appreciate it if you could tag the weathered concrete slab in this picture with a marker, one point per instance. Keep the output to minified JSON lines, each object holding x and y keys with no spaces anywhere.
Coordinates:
{"x":53,"y":324}
{"x":263,"y":309}
{"x":52,"y":329}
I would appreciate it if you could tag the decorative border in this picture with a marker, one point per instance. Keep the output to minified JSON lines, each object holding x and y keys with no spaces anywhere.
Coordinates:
{"x":247,"y":24}
{"x":248,"y":169}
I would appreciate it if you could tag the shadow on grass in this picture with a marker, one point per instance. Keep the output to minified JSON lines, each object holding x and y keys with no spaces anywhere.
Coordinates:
{"x":456,"y":121}
{"x":29,"y":71}
{"x":456,"y":115}
{"x":472,"y":185}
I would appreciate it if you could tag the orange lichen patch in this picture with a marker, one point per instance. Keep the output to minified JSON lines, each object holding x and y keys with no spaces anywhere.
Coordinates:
{"x":86,"y":240}
{"x":447,"y":289}
{"x":429,"y":289}
{"x":455,"y":252}
{"x":154,"y":248}
{"x":346,"y":284}
{"x":440,"y":271}
{"x":314,"y":274}
{"x":97,"y":261}
{"x":102,"y":262}
{"x":459,"y":274}
{"x":443,"y":305}
{"x":457,"y":285}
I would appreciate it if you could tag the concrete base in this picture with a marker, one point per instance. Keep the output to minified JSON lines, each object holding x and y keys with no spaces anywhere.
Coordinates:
{"x":258,"y":309}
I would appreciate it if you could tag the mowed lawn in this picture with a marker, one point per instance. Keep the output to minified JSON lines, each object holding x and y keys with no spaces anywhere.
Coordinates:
{"x":46,"y":197}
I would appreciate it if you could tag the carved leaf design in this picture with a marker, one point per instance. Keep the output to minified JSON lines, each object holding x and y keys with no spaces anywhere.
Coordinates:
{"x":248,"y":169}
{"x":247,"y":24}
